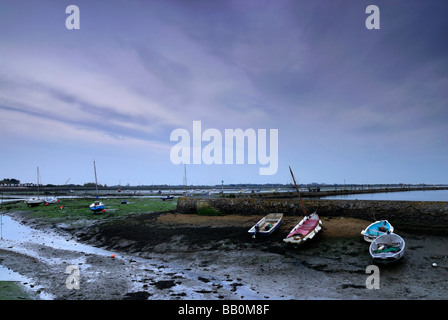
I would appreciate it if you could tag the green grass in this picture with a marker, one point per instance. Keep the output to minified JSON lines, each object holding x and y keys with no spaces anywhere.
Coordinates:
{"x":78,"y":208}
{"x":10,"y":290}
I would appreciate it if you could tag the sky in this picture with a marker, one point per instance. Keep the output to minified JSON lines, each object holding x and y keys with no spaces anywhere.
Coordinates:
{"x":351,"y":105}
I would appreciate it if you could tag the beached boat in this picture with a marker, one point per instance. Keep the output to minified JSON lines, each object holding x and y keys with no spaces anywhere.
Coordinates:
{"x":376,"y":229}
{"x":51,"y":200}
{"x":266,"y":225}
{"x":164,"y":198}
{"x":35,"y":201}
{"x":387,"y":248}
{"x":308,"y":227}
{"x":97,"y":206}
{"x":305,"y":230}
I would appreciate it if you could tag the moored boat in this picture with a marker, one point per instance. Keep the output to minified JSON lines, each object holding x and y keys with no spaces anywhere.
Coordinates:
{"x":377,"y":229}
{"x":387,"y":248}
{"x":267,"y":225}
{"x":51,"y":200}
{"x":34,"y":202}
{"x":308,"y":227}
{"x":97,"y":206}
{"x":305,"y":230}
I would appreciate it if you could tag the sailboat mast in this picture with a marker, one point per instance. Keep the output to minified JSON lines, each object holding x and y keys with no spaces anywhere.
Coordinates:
{"x":96,"y":180}
{"x":292,"y":174}
{"x":185,"y":177}
{"x":38,"y":189}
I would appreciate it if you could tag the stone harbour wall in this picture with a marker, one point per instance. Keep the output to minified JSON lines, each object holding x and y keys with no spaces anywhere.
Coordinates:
{"x":409,"y":212}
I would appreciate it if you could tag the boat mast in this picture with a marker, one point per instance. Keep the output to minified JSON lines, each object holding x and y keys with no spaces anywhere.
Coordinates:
{"x":96,"y":180}
{"x":38,"y":189}
{"x":292,"y":174}
{"x":185,"y":178}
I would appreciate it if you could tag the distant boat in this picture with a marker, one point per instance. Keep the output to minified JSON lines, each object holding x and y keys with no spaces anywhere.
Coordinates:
{"x":51,"y":200}
{"x":267,"y":225}
{"x":35,"y":201}
{"x":387,"y":248}
{"x":307,"y":228}
{"x":376,"y":229}
{"x":164,"y":198}
{"x":97,"y":206}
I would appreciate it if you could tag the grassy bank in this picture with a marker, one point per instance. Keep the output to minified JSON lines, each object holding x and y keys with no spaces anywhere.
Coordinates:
{"x":68,"y":210}
{"x":11,"y":290}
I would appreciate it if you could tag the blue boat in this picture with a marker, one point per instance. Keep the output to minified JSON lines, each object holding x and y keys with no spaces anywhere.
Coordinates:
{"x":97,"y":206}
{"x":377,"y":229}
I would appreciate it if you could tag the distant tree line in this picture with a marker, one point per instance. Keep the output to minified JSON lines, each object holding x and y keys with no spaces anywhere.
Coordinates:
{"x":10,"y":181}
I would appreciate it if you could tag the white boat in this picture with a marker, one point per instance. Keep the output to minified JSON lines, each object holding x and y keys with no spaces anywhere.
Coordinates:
{"x":376,"y":229}
{"x":266,"y":225}
{"x":305,"y":230}
{"x":35,"y":201}
{"x":387,"y":248}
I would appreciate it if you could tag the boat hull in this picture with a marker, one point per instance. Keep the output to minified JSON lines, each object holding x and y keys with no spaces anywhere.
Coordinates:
{"x":305,"y":230}
{"x":34,"y":202}
{"x":387,"y":248}
{"x":376,"y":229}
{"x":267,"y":225}
{"x":51,"y":200}
{"x":96,"y":207}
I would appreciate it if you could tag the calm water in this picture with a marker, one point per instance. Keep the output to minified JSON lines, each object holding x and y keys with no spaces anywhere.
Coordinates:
{"x":430,"y":195}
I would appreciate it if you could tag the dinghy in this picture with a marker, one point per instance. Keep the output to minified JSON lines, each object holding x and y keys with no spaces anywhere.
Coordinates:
{"x":387,"y":248}
{"x":266,"y":225}
{"x":376,"y":229}
{"x":307,"y":228}
{"x":51,"y":200}
{"x":165,"y":198}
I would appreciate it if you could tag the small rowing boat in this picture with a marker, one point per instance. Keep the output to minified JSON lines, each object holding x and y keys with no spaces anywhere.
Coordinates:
{"x":308,"y":227}
{"x":387,"y":248}
{"x":266,"y":225}
{"x":377,"y":229}
{"x":305,"y":230}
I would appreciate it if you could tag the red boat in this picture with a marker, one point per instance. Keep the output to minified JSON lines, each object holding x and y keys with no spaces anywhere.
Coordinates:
{"x":306,"y":229}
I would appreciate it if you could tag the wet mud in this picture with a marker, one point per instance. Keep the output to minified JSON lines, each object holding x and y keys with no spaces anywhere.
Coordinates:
{"x":167,"y":255}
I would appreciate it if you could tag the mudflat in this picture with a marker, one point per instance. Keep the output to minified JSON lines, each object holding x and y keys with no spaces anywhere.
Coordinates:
{"x":167,"y":255}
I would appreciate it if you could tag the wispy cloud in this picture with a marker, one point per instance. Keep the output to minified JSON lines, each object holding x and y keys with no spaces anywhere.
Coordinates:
{"x":135,"y":71}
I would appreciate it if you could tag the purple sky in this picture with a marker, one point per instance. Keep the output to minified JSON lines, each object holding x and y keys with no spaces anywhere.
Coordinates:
{"x":364,"y":106}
